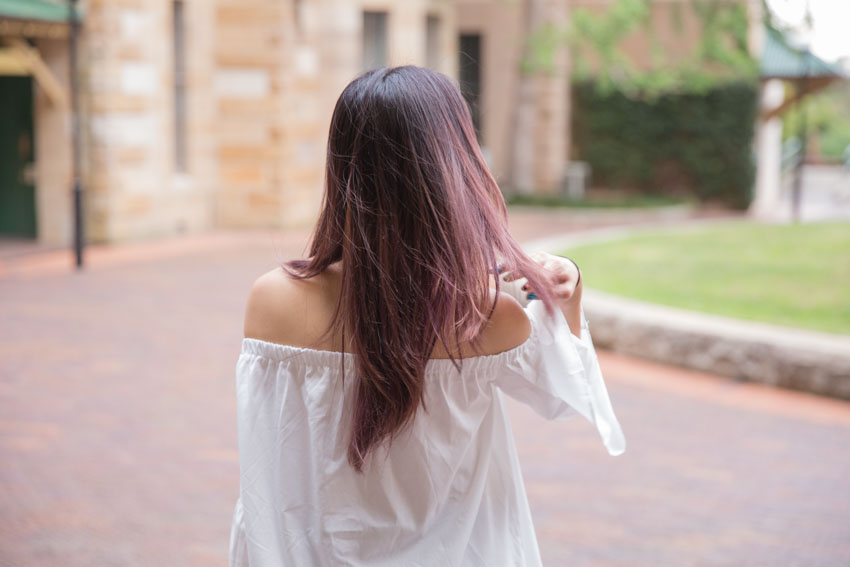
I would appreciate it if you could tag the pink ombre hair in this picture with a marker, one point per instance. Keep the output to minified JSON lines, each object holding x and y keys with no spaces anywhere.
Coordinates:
{"x":413,"y":213}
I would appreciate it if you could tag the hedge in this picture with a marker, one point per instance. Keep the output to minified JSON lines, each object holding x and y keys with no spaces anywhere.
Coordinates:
{"x":692,"y":144}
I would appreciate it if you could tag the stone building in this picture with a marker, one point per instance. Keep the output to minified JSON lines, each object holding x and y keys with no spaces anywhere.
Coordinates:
{"x":522,"y":119}
{"x":201,"y":114}
{"x":195,"y":113}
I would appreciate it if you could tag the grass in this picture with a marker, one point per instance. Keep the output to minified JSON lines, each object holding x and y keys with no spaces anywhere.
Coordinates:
{"x":791,"y":275}
{"x":600,"y":201}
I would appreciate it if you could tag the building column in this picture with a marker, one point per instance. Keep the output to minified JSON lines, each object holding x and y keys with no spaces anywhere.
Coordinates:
{"x":53,"y":152}
{"x":541,"y":137}
{"x":767,"y":196}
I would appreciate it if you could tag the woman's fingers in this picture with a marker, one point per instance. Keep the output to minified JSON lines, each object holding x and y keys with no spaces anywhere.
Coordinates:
{"x":564,"y":291}
{"x":560,"y":276}
{"x":562,"y":273}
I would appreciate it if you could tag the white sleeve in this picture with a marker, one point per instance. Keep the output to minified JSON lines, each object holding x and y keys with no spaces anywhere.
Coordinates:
{"x":557,"y":374}
{"x":238,"y":544}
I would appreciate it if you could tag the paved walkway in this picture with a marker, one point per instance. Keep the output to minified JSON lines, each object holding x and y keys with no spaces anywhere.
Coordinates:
{"x":825,"y":194}
{"x":118,"y":441}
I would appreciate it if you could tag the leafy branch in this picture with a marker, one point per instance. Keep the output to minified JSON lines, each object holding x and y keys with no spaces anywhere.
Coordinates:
{"x":596,"y":40}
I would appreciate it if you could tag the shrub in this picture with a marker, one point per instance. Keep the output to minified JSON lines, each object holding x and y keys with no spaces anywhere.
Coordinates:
{"x":685,"y":144}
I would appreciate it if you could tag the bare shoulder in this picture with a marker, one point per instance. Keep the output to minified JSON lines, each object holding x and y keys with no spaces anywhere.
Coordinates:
{"x":270,"y":304}
{"x":287,"y":310}
{"x":508,"y":327}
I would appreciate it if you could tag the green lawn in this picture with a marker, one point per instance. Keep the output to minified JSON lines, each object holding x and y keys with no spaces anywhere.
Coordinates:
{"x":794,"y":275}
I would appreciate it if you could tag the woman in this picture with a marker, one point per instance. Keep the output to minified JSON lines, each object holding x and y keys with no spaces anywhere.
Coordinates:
{"x":372,"y":429}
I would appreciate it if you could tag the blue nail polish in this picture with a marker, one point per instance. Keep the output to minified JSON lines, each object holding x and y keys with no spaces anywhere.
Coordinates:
{"x":531,"y":296}
{"x":499,"y":269}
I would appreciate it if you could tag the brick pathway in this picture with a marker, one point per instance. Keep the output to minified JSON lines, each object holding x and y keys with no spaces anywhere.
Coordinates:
{"x":118,"y":441}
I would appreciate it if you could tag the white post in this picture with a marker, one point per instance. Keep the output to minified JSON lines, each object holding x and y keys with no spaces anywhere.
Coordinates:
{"x":765,"y":205}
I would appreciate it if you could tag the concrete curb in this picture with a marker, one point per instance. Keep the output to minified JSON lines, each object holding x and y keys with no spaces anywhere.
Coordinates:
{"x":781,"y":356}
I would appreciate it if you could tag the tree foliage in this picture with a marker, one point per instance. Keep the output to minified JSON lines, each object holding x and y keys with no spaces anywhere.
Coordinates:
{"x":827,"y":118}
{"x":595,"y":41}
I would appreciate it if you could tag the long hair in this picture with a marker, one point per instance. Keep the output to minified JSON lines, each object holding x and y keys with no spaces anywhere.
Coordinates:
{"x":419,"y":224}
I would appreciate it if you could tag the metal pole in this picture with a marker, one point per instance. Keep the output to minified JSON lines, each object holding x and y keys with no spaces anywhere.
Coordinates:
{"x":76,"y":140}
{"x":797,"y":189}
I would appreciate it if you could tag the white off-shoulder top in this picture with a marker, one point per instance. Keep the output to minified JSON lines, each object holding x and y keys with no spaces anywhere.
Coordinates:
{"x":446,"y":492}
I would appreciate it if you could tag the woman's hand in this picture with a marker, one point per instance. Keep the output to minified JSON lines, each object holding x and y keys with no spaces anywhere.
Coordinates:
{"x":565,"y":277}
{"x":566,"y":283}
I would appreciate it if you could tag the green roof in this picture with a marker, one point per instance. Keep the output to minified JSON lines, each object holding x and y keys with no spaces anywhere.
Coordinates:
{"x":40,"y":10}
{"x":781,"y":60}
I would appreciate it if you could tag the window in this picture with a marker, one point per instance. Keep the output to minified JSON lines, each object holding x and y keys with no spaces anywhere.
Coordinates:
{"x":432,"y":42}
{"x":374,"y":40}
{"x":470,"y":76}
{"x":180,"y":157}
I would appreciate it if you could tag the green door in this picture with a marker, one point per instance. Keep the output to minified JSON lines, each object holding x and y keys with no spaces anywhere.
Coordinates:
{"x":17,"y":193}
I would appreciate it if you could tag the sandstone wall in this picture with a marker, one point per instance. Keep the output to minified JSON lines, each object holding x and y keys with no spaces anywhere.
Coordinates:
{"x":261,"y":80}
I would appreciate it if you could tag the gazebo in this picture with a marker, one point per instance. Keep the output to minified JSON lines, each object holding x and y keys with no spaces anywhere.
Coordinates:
{"x":782,"y":64}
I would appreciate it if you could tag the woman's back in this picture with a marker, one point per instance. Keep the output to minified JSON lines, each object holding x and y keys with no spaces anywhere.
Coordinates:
{"x":447,"y":490}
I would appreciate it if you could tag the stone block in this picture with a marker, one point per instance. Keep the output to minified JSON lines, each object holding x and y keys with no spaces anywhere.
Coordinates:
{"x":791,"y":358}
